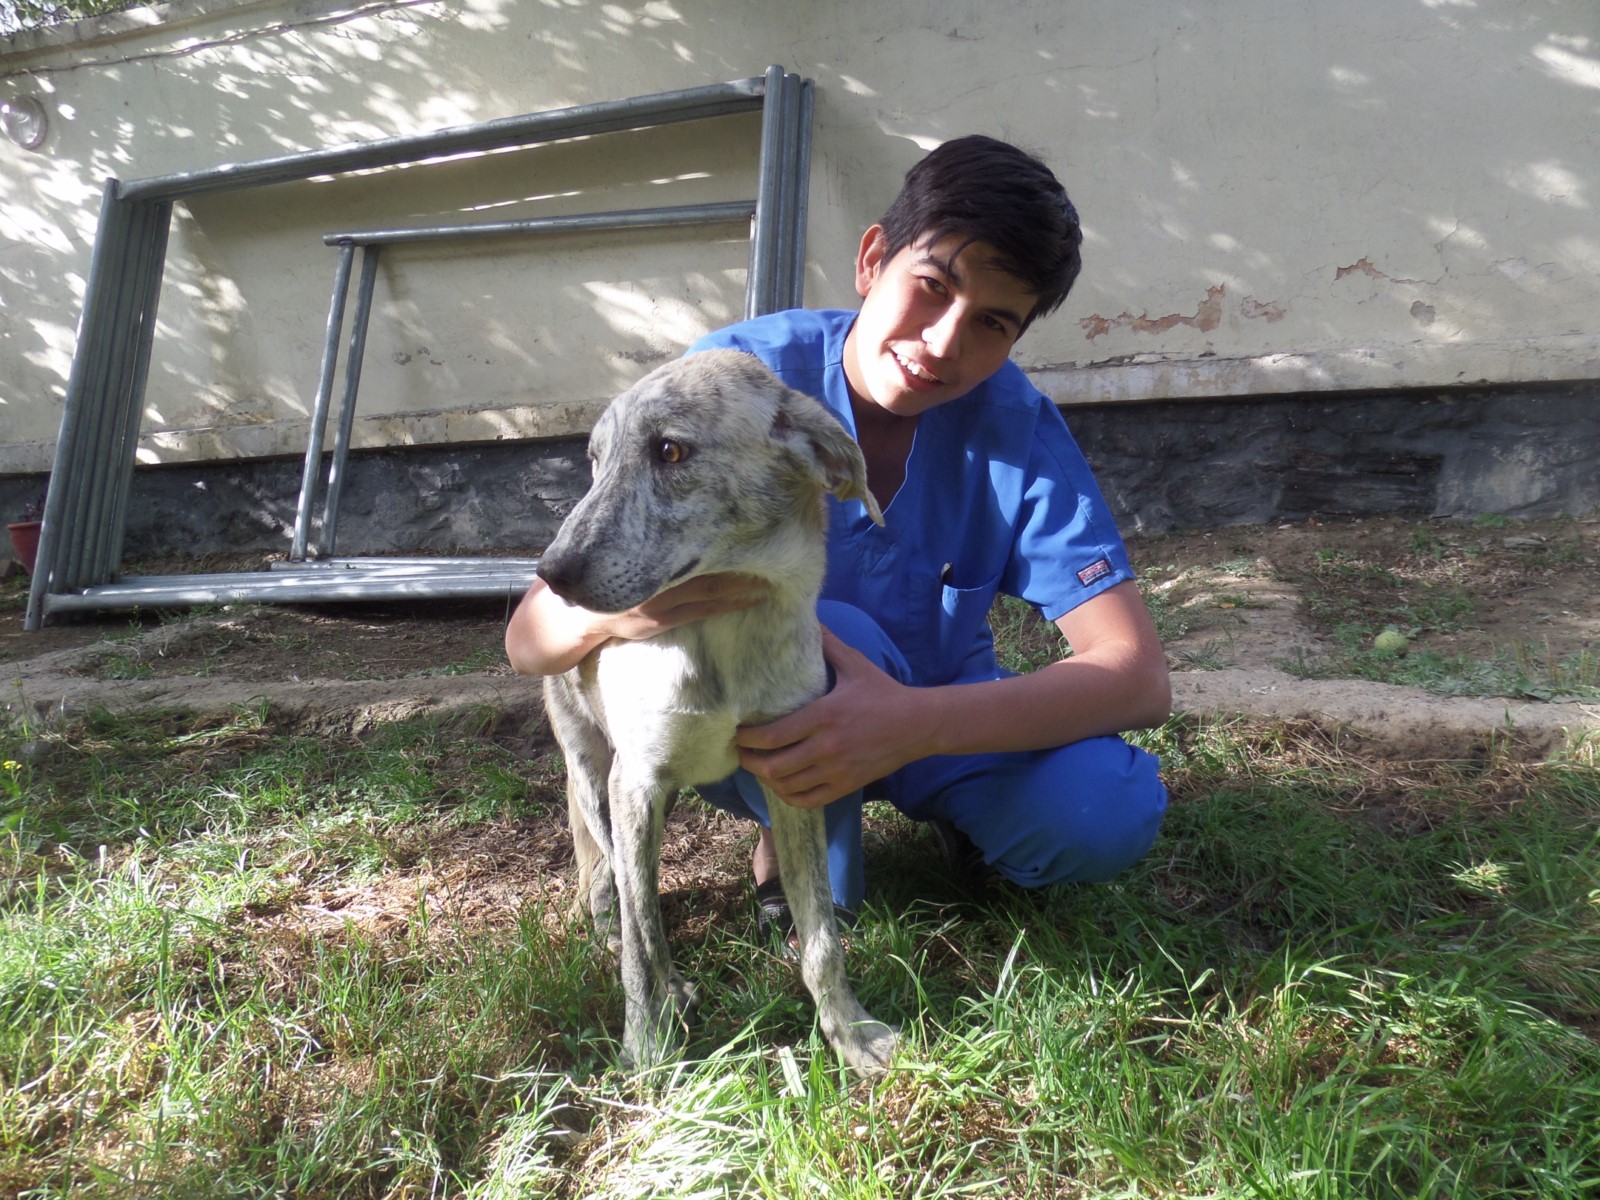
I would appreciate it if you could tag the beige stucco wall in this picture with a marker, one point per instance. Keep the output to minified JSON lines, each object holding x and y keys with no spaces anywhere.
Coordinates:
{"x":1277,"y":195}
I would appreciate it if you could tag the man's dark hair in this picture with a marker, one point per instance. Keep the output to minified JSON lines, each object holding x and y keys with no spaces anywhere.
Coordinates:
{"x":980,"y":189}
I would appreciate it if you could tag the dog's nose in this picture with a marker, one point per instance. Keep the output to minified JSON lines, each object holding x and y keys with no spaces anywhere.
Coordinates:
{"x":561,"y":572}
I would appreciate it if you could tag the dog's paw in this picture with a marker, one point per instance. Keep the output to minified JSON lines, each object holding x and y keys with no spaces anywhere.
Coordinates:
{"x":867,"y":1047}
{"x":655,"y":1040}
{"x":644,"y":1049}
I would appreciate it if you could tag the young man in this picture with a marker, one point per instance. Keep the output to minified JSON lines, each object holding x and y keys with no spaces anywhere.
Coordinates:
{"x":983,"y":491}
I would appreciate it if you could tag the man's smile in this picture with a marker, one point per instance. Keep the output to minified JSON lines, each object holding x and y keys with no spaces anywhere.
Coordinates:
{"x":915,"y":370}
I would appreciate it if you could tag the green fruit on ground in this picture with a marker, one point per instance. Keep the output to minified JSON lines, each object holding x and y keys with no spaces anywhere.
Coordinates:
{"x":1391,"y":641}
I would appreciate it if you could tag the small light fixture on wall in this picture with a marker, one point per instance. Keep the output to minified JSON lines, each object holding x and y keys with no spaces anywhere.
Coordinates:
{"x":23,"y":118}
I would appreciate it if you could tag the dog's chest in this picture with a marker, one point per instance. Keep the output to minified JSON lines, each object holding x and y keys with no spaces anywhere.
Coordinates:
{"x":670,"y":706}
{"x":656,"y":713}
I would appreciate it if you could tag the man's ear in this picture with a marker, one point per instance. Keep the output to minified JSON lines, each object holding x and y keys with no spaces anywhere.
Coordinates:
{"x":870,"y":259}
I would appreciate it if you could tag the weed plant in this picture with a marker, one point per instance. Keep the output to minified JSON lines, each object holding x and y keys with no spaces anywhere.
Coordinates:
{"x":241,"y":961}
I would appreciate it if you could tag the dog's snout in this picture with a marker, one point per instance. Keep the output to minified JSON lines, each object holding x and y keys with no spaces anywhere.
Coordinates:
{"x":561,"y":573}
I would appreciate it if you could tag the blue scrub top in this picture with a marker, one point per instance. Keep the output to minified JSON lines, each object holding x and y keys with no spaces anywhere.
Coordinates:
{"x":997,"y":498}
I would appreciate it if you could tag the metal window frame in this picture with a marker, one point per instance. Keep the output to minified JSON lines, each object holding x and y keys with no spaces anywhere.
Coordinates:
{"x":81,"y":541}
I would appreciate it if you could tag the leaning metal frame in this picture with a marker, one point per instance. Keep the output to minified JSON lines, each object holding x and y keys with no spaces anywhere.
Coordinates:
{"x":371,"y":242}
{"x":81,"y":542}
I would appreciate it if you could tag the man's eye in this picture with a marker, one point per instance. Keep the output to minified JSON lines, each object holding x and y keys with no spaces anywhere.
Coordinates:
{"x":671,"y":452}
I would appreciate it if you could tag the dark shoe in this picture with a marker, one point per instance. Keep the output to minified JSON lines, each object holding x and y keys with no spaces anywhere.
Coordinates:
{"x":962,"y":857}
{"x":776,"y":921}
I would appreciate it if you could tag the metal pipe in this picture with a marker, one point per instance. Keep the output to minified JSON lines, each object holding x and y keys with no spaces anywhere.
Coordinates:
{"x":758,"y":288}
{"x":120,"y":467}
{"x":802,"y":190}
{"x":87,"y":485}
{"x":433,"y":562}
{"x":99,"y":346}
{"x":287,"y":587}
{"x":639,"y":218}
{"x":347,"y":406}
{"x":638,"y":112}
{"x":72,"y":416}
{"x":88,"y":550}
{"x":319,"y":410}
{"x":113,"y":465}
{"x":788,"y":151}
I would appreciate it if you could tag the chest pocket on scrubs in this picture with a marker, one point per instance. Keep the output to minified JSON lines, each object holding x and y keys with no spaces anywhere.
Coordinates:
{"x":963,"y":630}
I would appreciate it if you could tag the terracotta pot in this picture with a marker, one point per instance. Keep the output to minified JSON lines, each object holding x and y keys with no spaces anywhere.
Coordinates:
{"x":25,"y":542}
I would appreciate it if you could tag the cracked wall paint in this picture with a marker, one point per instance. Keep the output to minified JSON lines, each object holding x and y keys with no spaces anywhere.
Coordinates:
{"x":1363,"y":266}
{"x":1261,"y":310}
{"x":1206,"y":317}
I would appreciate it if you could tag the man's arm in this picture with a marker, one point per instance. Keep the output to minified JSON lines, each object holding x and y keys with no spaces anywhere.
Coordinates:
{"x":869,"y":725}
{"x":547,"y":636}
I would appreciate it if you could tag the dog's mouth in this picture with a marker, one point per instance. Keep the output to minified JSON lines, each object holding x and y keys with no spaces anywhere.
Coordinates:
{"x":683,"y":571}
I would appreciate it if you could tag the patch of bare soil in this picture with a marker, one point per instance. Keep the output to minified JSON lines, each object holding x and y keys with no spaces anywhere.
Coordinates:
{"x":1502,"y":623}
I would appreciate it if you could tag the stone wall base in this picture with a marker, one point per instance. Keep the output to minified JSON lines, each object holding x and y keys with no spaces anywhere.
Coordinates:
{"x":1163,"y":466}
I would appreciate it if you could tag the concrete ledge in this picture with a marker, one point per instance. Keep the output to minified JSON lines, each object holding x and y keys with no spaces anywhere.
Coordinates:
{"x":1406,"y":722}
{"x":1353,"y":372}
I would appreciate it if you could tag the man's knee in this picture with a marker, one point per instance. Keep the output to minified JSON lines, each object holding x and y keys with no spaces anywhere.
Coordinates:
{"x":1088,"y":823}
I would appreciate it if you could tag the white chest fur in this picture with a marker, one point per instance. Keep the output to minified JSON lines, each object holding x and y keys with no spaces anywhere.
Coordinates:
{"x":675,"y":702}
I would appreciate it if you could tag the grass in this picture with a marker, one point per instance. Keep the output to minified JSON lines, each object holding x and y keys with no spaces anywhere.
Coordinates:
{"x":1352,"y":600}
{"x":236,"y":960}
{"x":1024,"y":641}
{"x":1517,"y":671}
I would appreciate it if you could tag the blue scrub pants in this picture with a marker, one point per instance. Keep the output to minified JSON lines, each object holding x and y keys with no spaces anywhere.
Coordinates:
{"x":1083,"y":813}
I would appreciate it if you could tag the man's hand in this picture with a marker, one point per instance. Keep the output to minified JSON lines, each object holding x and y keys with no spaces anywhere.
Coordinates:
{"x":694,"y":600}
{"x":870,"y":726}
{"x":547,"y":636}
{"x":865,"y":728}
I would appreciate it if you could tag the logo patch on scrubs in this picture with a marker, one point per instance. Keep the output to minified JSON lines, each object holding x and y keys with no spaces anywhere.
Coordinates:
{"x":1095,"y":570}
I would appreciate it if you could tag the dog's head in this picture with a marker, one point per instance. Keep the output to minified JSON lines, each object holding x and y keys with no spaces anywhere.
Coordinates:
{"x":708,"y":464}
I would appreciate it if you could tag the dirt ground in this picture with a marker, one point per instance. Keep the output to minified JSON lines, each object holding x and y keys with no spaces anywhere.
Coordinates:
{"x":1502,"y":622}
{"x":1270,"y":623}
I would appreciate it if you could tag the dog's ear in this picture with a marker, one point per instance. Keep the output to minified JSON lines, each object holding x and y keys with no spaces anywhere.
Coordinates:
{"x":812,"y":431}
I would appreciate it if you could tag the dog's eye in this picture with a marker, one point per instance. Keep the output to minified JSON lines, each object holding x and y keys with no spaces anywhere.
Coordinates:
{"x":671,"y":452}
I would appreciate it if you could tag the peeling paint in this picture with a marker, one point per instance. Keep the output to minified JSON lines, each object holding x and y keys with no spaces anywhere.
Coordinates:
{"x":1266,"y":310}
{"x":1363,"y":266}
{"x":1206,"y":318}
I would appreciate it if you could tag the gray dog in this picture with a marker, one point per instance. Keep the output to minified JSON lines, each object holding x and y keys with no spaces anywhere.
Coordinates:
{"x":709,"y":464}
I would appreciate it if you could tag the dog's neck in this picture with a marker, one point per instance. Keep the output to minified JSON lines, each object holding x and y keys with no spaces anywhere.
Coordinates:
{"x":764,"y":661}
{"x":757,"y":663}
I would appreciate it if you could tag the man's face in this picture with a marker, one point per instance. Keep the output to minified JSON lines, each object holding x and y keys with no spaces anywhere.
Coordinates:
{"x":931,"y":329}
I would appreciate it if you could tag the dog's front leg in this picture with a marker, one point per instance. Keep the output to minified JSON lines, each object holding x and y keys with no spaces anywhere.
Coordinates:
{"x":866,"y":1044}
{"x":588,"y":756}
{"x":657,"y":1001}
{"x":589,"y":821}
